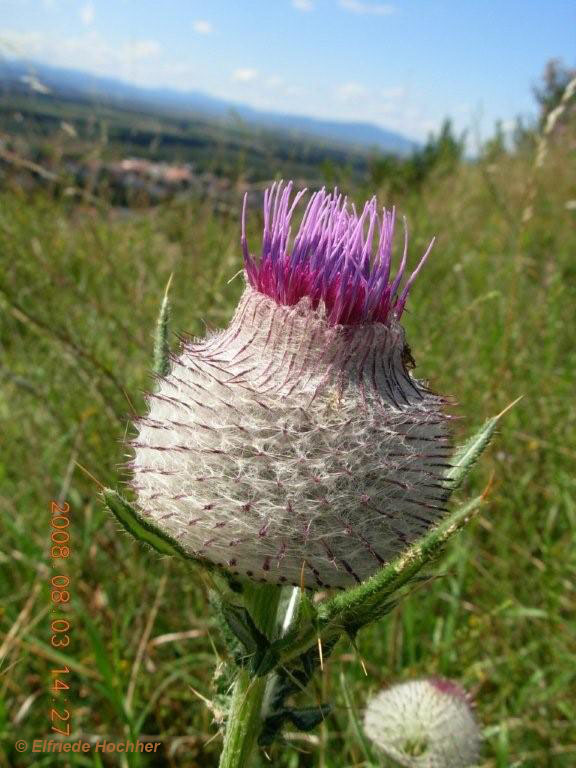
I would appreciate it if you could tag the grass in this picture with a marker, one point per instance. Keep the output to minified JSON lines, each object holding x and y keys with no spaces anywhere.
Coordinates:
{"x":490,"y":319}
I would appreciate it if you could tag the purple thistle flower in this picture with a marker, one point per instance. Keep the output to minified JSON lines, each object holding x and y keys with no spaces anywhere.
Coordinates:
{"x":332,"y":259}
{"x":295,"y":446}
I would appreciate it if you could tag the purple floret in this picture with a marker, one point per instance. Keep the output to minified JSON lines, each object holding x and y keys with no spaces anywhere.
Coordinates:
{"x":332,"y":259}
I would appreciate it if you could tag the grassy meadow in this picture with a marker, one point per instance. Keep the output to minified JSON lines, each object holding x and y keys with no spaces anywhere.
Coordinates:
{"x":490,"y":319}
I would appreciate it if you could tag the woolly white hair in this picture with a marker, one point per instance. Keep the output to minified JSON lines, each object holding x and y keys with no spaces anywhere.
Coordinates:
{"x":293,"y":451}
{"x":425,"y":724}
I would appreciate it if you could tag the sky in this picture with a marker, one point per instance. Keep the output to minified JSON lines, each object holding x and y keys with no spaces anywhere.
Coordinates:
{"x":404,"y":65}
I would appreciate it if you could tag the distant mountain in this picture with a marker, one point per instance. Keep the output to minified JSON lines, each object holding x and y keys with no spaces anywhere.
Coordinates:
{"x":76,"y":84}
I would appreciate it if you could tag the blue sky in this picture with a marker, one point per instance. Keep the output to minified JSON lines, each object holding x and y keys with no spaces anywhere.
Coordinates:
{"x":404,"y":64}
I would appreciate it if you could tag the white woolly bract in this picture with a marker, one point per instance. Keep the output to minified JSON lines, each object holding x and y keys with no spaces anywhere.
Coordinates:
{"x":424,"y":724}
{"x":292,"y":451}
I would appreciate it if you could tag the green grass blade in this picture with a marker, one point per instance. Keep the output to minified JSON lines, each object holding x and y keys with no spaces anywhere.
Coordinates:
{"x":107,"y":668}
{"x":354,"y":720}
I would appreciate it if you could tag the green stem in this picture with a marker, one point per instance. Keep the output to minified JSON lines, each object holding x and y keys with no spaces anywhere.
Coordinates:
{"x":244,"y":718}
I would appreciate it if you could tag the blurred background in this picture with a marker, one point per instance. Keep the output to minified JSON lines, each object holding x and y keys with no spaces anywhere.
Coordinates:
{"x":129,"y":133}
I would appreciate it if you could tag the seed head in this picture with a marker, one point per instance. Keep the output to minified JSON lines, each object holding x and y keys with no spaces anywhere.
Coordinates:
{"x":425,"y":724}
{"x":295,"y":446}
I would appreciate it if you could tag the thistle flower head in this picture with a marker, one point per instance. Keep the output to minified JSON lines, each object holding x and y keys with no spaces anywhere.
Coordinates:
{"x":426,"y":723}
{"x":295,"y":446}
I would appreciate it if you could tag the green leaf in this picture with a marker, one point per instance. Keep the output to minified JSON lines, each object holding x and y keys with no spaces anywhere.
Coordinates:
{"x":247,"y":644}
{"x":467,"y":454}
{"x":241,"y":624}
{"x":142,"y":529}
{"x":161,"y":346}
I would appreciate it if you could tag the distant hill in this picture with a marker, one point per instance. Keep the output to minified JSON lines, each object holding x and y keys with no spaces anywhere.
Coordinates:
{"x":70,"y":83}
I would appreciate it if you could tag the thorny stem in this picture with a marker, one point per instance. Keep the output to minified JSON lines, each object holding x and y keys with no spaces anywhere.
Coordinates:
{"x":244,"y":718}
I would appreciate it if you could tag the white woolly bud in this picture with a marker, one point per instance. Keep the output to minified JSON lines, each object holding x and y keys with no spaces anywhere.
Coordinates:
{"x":292,"y":450}
{"x":425,"y":724}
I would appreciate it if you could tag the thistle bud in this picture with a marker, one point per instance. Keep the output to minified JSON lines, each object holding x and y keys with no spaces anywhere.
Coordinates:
{"x":425,"y":724}
{"x":296,"y":446}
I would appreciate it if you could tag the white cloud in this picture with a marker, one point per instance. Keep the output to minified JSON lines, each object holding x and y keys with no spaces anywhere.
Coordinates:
{"x":244,"y":75}
{"x":303,"y":5}
{"x":295,"y":91}
{"x":393,"y":94}
{"x":87,"y":14}
{"x":367,"y":9}
{"x":350,"y":91}
{"x":202,"y":27}
{"x":273,"y":81}
{"x":141,"y":49}
{"x":20,"y":44}
{"x":135,"y":61}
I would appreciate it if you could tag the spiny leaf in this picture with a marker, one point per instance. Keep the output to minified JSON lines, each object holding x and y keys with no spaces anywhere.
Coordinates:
{"x":355,"y":607}
{"x":143,"y":529}
{"x":161,"y":346}
{"x":468,"y":453}
{"x":351,"y":606}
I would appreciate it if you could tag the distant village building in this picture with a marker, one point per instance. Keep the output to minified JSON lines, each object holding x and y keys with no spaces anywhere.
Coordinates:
{"x":178,"y":175}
